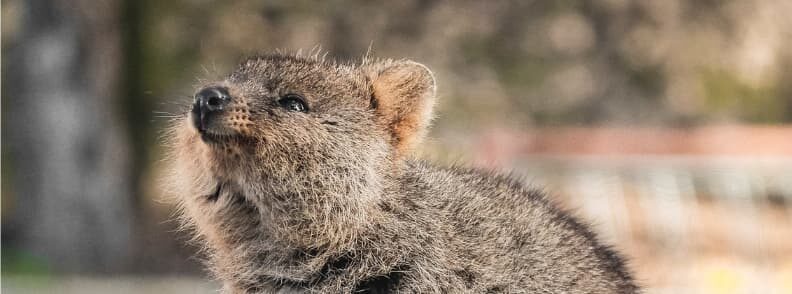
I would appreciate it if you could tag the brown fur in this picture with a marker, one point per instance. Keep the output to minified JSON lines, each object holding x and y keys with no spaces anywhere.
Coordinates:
{"x":329,"y":200}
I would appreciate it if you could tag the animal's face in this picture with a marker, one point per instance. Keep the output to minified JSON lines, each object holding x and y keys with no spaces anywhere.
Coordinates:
{"x":282,"y":102}
{"x":300,"y":135}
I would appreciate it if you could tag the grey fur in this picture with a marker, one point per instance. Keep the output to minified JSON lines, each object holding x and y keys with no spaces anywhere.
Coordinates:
{"x":330,"y":201}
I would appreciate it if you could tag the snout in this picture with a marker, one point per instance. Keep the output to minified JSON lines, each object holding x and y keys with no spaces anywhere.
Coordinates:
{"x":209,"y":103}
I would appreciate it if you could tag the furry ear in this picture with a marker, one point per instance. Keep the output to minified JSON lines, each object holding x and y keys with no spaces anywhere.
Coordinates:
{"x":403,"y":96}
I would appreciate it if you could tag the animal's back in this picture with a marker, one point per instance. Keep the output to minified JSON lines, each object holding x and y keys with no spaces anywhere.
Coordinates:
{"x":511,"y":238}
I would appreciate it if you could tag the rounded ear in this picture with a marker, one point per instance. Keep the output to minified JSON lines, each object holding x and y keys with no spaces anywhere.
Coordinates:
{"x":403,"y":97}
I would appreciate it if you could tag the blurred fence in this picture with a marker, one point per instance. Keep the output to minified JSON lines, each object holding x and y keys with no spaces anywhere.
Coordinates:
{"x":697,"y":211}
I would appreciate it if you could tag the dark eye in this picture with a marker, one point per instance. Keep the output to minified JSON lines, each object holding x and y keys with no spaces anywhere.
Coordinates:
{"x":293,"y":102}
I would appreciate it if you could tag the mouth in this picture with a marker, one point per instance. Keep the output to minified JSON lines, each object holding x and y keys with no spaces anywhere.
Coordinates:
{"x":212,"y":138}
{"x":209,"y":137}
{"x":211,"y":131}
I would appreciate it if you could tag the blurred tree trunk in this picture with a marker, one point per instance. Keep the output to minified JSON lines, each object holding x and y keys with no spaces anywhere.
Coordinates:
{"x":67,"y":144}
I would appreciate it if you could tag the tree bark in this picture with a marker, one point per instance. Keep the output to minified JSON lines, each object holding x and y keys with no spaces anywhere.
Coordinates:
{"x":66,"y":142}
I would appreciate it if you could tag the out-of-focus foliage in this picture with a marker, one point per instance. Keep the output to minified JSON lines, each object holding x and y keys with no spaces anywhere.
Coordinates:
{"x":531,"y":62}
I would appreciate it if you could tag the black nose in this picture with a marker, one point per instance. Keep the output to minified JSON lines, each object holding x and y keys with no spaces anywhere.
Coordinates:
{"x":211,"y":99}
{"x":208,"y":101}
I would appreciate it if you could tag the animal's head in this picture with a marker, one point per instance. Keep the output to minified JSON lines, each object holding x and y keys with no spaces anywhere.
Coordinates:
{"x":303,"y":136}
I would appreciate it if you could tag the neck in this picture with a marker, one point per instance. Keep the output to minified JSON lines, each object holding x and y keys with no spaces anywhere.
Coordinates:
{"x":292,"y":237}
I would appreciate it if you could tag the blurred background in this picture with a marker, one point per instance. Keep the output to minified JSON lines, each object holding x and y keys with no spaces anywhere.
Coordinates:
{"x":666,"y":124}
